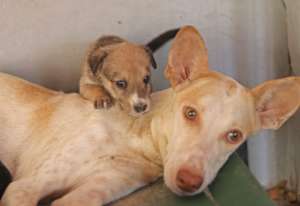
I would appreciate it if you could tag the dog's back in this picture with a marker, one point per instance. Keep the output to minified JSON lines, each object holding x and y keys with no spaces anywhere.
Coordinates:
{"x":35,"y":120}
{"x":18,"y":98}
{"x":19,"y":91}
{"x":27,"y":110}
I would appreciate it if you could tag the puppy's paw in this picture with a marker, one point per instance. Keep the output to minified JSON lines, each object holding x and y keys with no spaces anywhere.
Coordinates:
{"x":103,"y":102}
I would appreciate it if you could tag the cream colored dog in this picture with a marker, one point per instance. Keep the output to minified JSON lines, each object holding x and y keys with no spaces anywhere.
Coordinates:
{"x":58,"y":144}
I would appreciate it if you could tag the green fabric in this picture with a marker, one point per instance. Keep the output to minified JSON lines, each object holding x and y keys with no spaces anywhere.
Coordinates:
{"x":234,"y":186}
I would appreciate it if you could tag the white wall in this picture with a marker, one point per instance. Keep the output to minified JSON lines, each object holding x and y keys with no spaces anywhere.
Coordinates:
{"x":44,"y":41}
{"x":293,"y":21}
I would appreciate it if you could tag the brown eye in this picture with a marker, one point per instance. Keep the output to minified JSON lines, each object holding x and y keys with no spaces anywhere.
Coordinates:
{"x":122,"y":84}
{"x":233,"y":136}
{"x":146,"y":79}
{"x":190,"y":113}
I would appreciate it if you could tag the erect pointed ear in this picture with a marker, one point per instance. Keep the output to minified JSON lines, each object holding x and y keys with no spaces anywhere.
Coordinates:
{"x":187,"y":57}
{"x":276,"y":101}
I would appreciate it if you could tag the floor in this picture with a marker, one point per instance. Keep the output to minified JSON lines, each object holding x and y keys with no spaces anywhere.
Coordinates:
{"x":282,"y":196}
{"x":284,"y":203}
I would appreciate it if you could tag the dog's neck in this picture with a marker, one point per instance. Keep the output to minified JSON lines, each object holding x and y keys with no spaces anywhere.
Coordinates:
{"x":154,"y":128}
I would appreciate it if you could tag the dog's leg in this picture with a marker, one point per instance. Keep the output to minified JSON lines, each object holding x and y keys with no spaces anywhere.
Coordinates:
{"x":102,"y":189}
{"x":86,"y":194}
{"x":96,"y":94}
{"x":21,"y":193}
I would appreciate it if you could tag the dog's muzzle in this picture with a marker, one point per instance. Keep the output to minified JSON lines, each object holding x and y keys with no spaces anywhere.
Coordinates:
{"x":188,"y":180}
{"x":140,"y":107}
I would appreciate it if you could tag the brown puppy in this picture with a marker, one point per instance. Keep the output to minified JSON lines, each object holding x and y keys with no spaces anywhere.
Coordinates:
{"x":116,"y":70}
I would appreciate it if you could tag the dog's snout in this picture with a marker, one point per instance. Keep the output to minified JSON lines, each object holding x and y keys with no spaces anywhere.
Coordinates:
{"x":188,"y":181}
{"x":140,"y":107}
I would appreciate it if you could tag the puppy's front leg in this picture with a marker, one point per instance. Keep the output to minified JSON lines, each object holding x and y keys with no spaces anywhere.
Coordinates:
{"x":96,"y":94}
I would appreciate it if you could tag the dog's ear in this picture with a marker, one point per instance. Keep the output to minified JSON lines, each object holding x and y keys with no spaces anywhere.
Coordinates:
{"x":100,"y":50}
{"x":151,"y":57}
{"x":276,"y":101}
{"x":187,"y":58}
{"x":95,"y":60}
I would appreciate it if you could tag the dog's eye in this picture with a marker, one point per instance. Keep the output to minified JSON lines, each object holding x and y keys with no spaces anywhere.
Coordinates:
{"x":121,"y":84}
{"x":190,"y":113}
{"x":146,"y":79}
{"x":233,"y":136}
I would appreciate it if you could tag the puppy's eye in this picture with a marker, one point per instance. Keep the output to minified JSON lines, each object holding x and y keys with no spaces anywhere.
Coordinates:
{"x":122,"y":84}
{"x":233,"y":136}
{"x":190,"y":113}
{"x":146,"y":79}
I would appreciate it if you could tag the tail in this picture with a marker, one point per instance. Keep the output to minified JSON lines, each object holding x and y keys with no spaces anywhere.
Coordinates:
{"x":160,"y":40}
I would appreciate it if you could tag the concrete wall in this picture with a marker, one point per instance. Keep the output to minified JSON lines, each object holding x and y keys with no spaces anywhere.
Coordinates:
{"x":44,"y":41}
{"x":293,"y":157}
{"x":293,"y":22}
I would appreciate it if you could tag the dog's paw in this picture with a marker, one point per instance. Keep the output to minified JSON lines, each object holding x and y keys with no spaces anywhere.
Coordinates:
{"x":103,"y":102}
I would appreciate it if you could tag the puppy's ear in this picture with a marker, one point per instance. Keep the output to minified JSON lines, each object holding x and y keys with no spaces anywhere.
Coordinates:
{"x":95,"y":61}
{"x":100,"y":50}
{"x":187,"y":57}
{"x":151,"y":57}
{"x":276,"y":101}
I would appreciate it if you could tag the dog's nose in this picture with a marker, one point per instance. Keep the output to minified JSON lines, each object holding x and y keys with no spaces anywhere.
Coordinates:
{"x":188,"y":181}
{"x":140,"y":107}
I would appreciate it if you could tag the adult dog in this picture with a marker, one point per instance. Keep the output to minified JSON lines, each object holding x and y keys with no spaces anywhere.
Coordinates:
{"x":55,"y":143}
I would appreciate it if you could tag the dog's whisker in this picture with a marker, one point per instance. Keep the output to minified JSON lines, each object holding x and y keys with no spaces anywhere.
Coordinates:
{"x":210,"y":196}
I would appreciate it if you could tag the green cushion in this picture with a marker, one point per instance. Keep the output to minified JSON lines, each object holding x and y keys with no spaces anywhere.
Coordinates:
{"x":234,"y":186}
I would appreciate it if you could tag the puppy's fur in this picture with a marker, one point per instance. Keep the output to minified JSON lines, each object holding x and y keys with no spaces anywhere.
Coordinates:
{"x":116,"y":70}
{"x":57,"y":143}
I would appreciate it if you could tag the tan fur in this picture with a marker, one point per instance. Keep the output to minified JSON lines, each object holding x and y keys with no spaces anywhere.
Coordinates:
{"x":273,"y":101}
{"x":123,"y":61}
{"x":59,"y":144}
{"x":190,"y":52}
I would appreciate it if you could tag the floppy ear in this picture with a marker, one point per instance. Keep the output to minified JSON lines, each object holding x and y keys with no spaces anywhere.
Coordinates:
{"x":187,"y":57}
{"x":95,"y":61}
{"x":99,"y":51}
{"x":276,"y":101}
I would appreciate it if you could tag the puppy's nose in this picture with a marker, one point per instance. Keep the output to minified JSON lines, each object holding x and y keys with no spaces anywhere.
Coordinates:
{"x":188,"y":181}
{"x":140,"y":107}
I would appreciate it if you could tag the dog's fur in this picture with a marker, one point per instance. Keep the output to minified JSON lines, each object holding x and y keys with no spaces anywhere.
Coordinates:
{"x":55,"y":143}
{"x":116,"y":70}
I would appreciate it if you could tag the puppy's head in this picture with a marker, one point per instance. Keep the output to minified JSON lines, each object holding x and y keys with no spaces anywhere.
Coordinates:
{"x":124,"y":69}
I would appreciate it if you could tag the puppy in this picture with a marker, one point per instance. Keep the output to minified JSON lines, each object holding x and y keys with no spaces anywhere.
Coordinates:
{"x":118,"y":71}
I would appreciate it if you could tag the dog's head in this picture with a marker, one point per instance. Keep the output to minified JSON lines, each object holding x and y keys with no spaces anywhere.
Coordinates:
{"x":124,"y":69}
{"x":214,"y":114}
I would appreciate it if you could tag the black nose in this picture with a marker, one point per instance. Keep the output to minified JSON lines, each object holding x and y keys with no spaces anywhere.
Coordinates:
{"x":140,"y":107}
